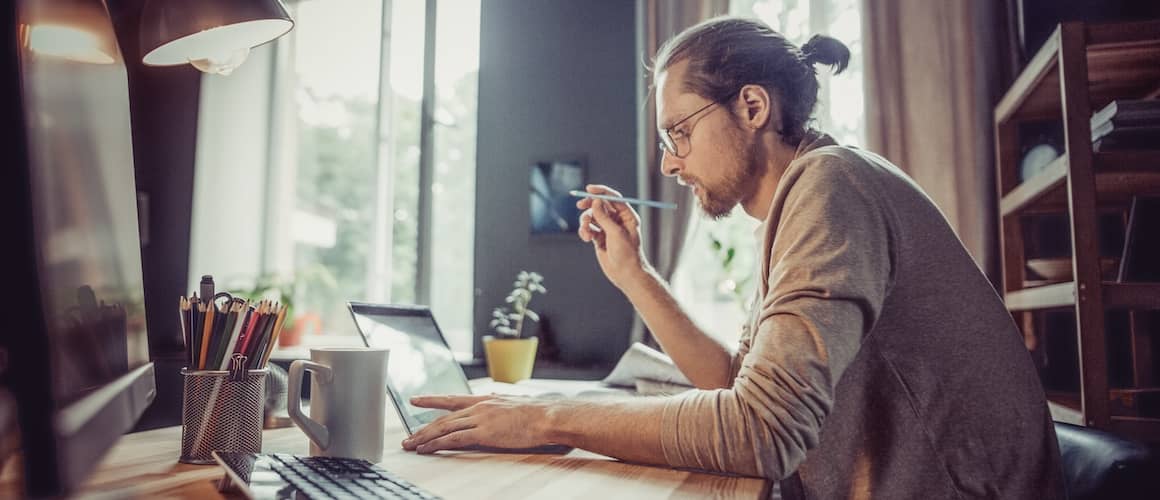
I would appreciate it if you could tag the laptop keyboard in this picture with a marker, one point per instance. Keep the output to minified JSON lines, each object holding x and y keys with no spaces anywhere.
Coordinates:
{"x":330,"y":477}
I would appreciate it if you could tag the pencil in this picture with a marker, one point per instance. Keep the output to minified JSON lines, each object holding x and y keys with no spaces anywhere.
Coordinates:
{"x":206,"y":335}
{"x":221,"y":335}
{"x":274,"y":336}
{"x":214,"y":334}
{"x":239,"y":322}
{"x":248,"y":333}
{"x":183,"y":312}
{"x":255,"y":340}
{"x":196,"y":319}
{"x":267,"y":330}
{"x":622,"y":199}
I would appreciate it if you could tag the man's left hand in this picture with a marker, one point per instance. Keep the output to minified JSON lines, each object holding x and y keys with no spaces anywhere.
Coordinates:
{"x":493,"y":421}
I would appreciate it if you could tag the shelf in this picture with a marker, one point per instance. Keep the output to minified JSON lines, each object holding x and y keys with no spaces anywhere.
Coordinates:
{"x":1119,"y":176}
{"x":1140,"y":428}
{"x":1116,"y":296}
{"x":1065,"y":407}
{"x":1123,"y":61}
{"x":1132,"y":296}
{"x":1079,"y":70}
{"x":1042,"y":297}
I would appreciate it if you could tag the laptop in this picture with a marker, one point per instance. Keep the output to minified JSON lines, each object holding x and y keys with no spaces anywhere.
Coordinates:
{"x":420,"y":363}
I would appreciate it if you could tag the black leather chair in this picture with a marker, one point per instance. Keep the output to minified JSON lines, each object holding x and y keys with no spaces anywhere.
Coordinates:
{"x":1100,"y":465}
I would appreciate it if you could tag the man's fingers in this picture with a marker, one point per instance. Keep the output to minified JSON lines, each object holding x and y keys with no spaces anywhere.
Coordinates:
{"x":623,"y":213}
{"x":588,"y":229}
{"x":584,"y":231}
{"x":454,"y":440}
{"x":605,"y":220}
{"x":452,"y":403}
{"x":440,"y":427}
{"x":601,"y":189}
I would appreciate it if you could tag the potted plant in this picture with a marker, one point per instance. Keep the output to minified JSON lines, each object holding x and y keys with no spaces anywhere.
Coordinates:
{"x":509,"y":357}
{"x":285,"y":289}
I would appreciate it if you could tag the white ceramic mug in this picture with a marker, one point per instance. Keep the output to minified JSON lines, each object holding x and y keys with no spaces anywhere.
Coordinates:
{"x":348,"y":398}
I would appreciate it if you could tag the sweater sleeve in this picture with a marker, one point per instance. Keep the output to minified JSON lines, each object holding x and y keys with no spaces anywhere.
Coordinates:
{"x":828,"y":274}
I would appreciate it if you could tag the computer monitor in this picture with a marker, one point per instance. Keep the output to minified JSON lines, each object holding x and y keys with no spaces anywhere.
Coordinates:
{"x":76,"y":359}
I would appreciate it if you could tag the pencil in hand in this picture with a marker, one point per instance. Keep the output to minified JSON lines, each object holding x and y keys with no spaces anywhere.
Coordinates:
{"x":622,"y":199}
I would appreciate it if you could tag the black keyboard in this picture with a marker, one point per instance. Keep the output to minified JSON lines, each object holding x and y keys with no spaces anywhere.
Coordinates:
{"x":329,"y":477}
{"x":324,"y":477}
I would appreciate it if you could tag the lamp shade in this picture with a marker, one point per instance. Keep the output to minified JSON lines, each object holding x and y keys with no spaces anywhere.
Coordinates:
{"x":185,"y":31}
{"x":77,"y":30}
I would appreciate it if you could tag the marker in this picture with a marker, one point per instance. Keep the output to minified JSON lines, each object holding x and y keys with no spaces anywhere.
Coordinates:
{"x":638,"y":201}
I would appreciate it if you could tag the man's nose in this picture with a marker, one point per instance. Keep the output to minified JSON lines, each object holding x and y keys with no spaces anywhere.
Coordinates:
{"x":670,"y":165}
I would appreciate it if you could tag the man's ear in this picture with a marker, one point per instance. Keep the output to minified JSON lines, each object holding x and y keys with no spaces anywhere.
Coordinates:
{"x":759,"y":108}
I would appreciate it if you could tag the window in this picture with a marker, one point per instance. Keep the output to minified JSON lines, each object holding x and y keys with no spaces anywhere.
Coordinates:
{"x":452,"y":292}
{"x":345,"y":163}
{"x":715,"y":279}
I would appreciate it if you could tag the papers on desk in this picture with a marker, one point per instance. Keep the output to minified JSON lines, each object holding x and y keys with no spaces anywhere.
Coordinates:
{"x":648,"y":371}
{"x":547,"y":388}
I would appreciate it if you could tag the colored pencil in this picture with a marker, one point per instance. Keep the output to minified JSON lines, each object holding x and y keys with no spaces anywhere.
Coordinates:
{"x":183,"y":311}
{"x":206,"y":335}
{"x":239,"y":322}
{"x":196,"y":310}
{"x":267,"y":330}
{"x":248,"y":333}
{"x":221,"y":335}
{"x":274,"y":336}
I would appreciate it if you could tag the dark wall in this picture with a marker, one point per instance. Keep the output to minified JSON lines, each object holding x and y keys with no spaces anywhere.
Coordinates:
{"x":556,"y":80}
{"x":163,"y":102}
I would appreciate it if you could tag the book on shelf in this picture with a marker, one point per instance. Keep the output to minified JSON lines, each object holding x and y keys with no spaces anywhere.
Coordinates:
{"x":1124,"y":143}
{"x":1128,"y":112}
{"x":1126,"y":124}
{"x":1150,"y":132}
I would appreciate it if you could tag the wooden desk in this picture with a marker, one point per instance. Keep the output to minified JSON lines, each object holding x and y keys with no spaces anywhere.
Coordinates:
{"x":145,"y":465}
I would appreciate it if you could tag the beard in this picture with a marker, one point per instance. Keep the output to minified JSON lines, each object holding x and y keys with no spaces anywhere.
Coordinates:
{"x":742,"y":173}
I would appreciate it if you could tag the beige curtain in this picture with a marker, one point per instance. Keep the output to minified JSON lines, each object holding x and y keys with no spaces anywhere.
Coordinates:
{"x":664,"y":230}
{"x":931,"y":71}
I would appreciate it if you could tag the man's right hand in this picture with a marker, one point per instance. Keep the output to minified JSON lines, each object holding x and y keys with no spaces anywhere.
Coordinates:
{"x":614,"y":230}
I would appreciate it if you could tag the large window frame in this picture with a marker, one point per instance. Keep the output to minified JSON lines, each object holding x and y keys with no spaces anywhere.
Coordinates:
{"x":272,"y":251}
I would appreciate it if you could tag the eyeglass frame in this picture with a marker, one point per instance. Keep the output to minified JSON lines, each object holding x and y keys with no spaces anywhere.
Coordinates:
{"x":666,"y":133}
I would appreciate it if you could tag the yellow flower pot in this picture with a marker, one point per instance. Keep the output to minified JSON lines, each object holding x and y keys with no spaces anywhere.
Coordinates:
{"x":510,"y":360}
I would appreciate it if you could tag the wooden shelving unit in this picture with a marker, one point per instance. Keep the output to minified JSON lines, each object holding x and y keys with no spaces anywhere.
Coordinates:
{"x":1081,"y":68}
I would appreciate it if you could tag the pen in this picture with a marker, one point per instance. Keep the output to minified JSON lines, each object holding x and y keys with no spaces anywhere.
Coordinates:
{"x":638,"y":201}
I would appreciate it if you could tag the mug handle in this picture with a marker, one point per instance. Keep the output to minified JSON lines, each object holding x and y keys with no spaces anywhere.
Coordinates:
{"x":317,"y":432}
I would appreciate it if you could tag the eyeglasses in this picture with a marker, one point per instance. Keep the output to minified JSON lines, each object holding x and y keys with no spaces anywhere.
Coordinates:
{"x":670,"y":136}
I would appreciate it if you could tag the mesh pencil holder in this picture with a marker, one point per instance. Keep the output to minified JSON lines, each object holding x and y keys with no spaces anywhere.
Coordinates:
{"x":220,"y":412}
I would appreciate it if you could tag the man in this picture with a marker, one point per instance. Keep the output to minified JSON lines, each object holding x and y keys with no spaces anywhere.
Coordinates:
{"x":878,"y":361}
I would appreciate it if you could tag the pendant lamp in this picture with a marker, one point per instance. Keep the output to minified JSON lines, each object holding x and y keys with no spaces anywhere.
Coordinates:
{"x":215,"y":36}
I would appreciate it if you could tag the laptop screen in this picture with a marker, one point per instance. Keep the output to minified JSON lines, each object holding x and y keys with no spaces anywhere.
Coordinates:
{"x":420,"y":361}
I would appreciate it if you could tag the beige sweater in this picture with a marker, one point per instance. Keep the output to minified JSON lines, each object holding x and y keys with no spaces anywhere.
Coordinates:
{"x":879,"y":361}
